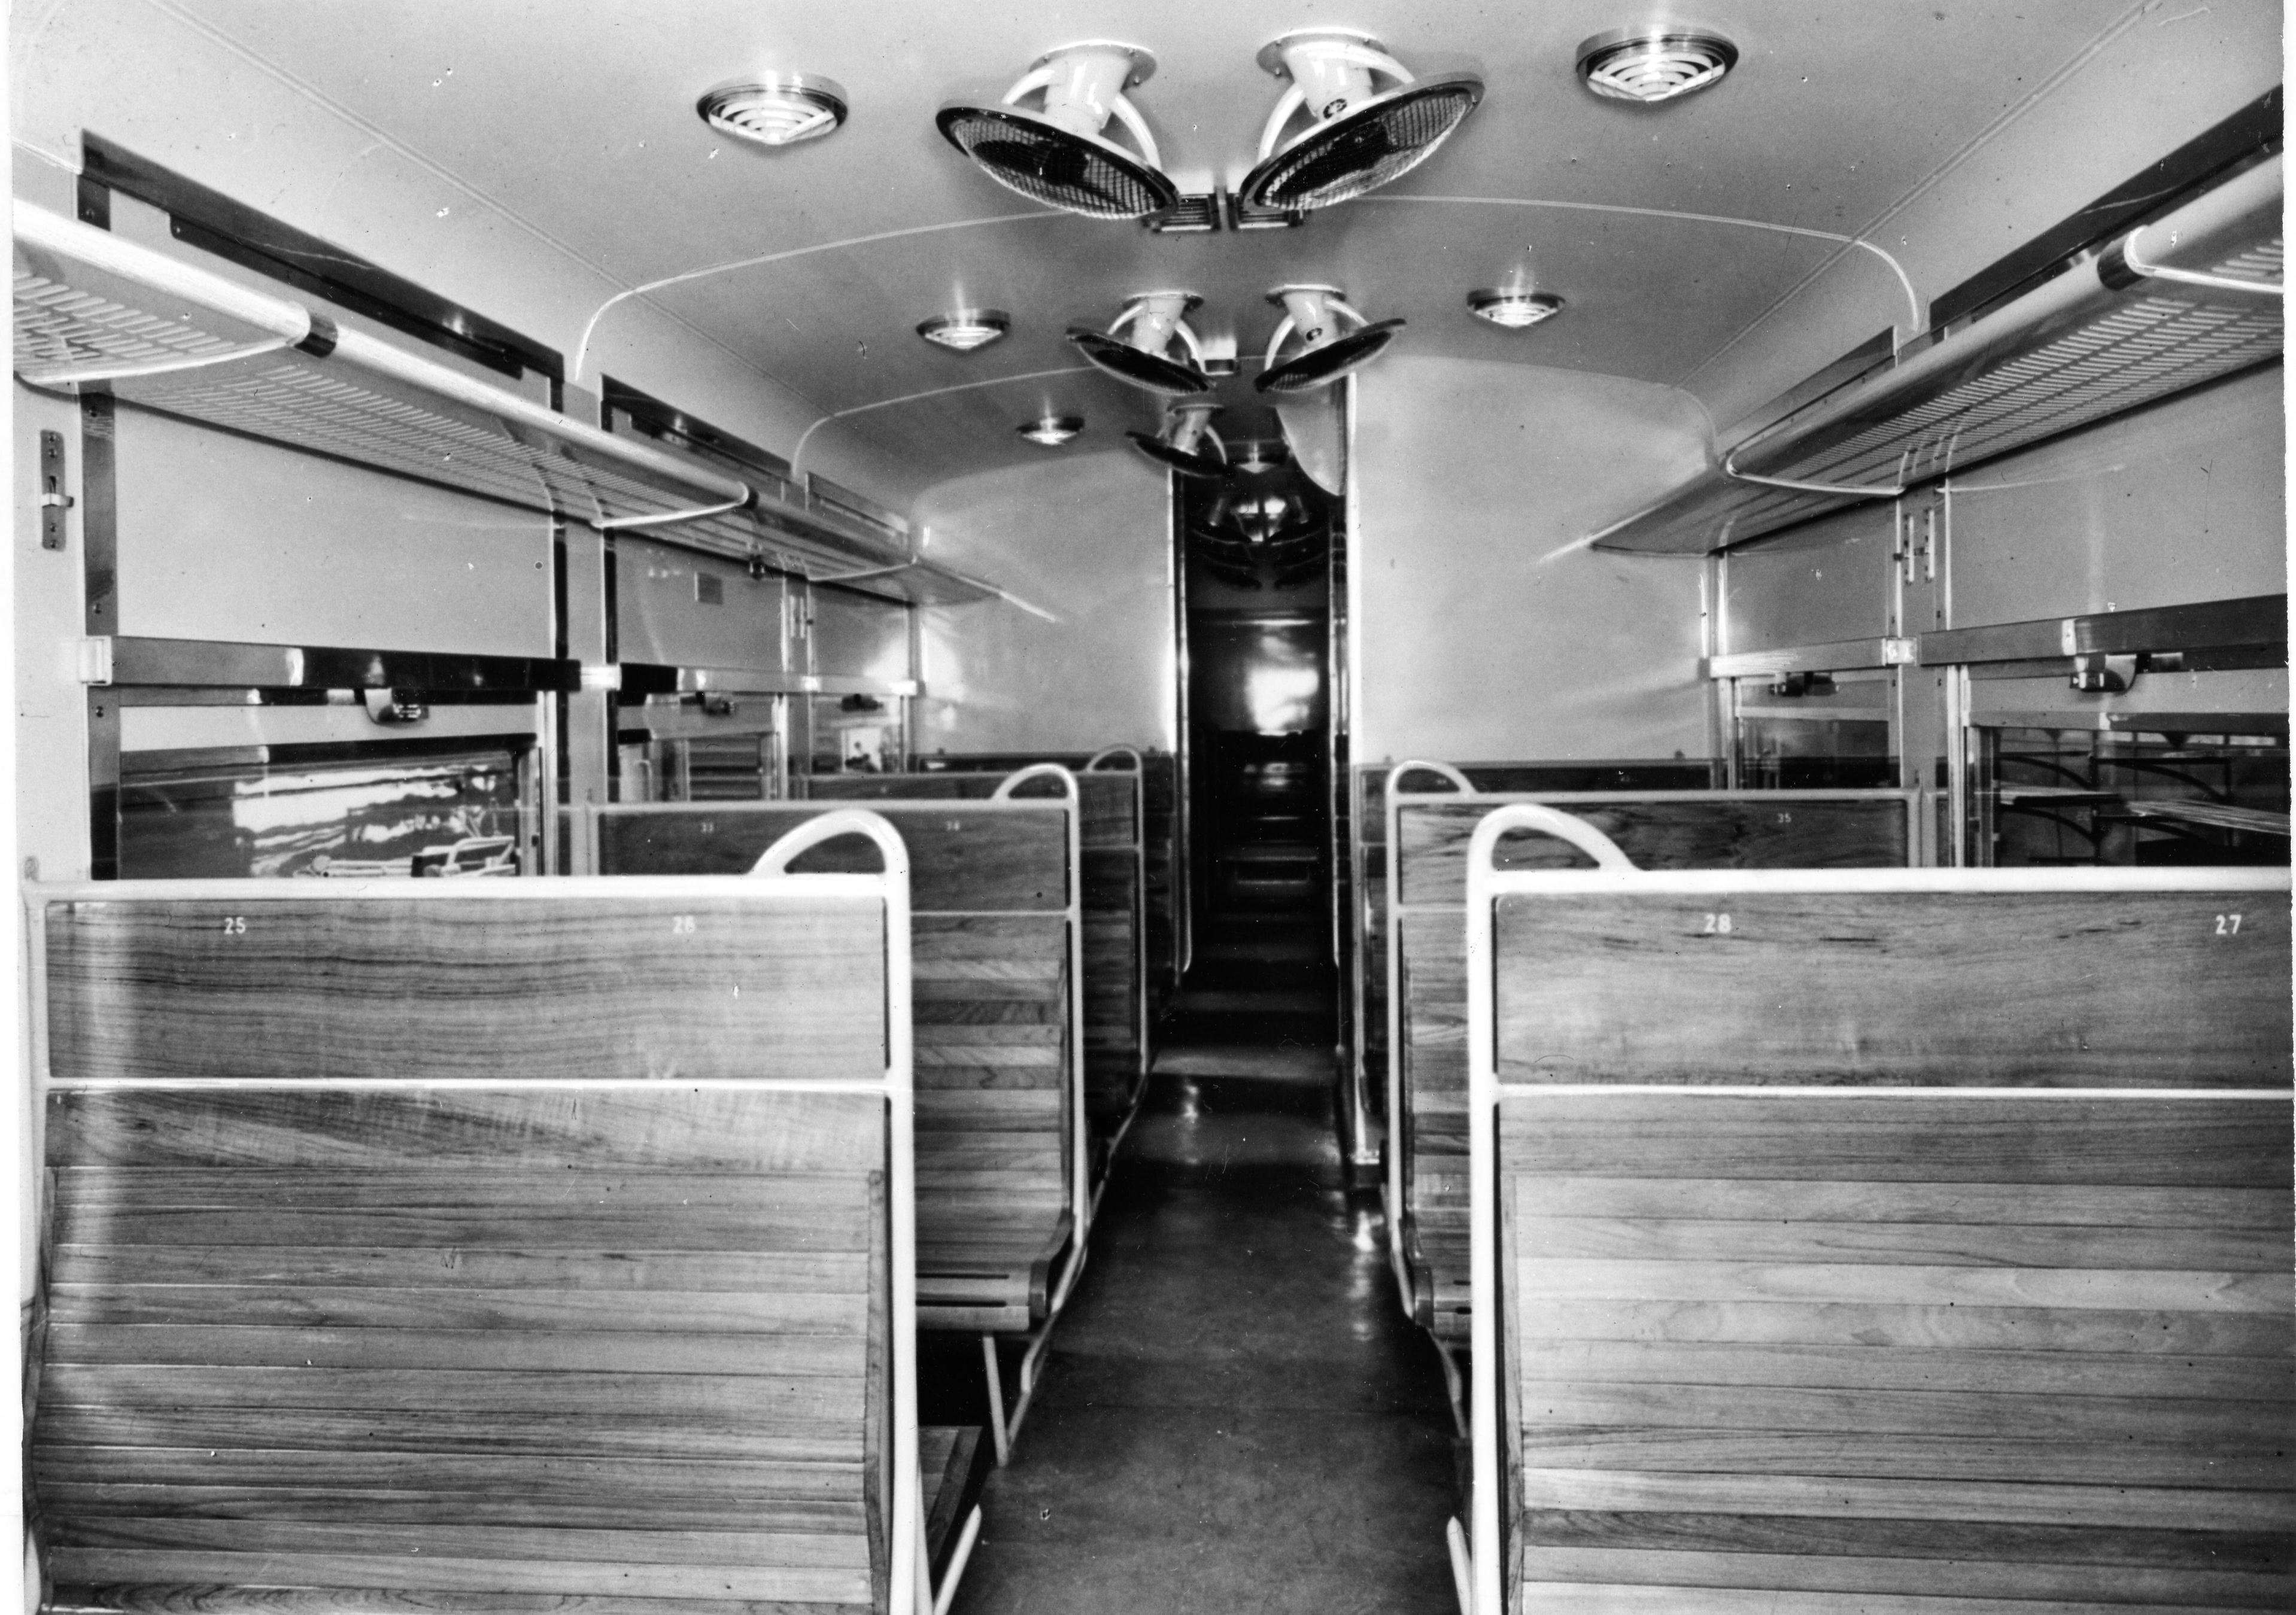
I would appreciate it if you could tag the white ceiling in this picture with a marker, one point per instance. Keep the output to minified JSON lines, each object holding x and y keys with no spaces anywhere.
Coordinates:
{"x":577,"y":117}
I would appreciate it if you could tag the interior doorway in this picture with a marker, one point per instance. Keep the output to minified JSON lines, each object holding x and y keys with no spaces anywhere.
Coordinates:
{"x":1256,"y":571}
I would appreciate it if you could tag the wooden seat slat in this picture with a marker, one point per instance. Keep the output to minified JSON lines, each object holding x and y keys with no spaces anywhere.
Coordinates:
{"x":1931,"y":1575}
{"x":186,"y":1568}
{"x":337,"y":1436}
{"x":828,"y":1351}
{"x":726,"y":1129}
{"x":487,"y":1496}
{"x":607,"y":1272}
{"x":756,"y":1309}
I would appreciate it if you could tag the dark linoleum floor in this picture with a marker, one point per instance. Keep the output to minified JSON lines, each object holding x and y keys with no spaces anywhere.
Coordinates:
{"x":1235,"y":1414}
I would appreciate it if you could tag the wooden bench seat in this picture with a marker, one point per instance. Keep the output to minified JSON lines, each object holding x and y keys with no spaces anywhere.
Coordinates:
{"x":420,"y":1245}
{"x":1003,"y":1196}
{"x":1427,"y":897}
{"x":1115,"y":973}
{"x":1165,"y":930}
{"x":1366,"y":931}
{"x":1890,"y":1240}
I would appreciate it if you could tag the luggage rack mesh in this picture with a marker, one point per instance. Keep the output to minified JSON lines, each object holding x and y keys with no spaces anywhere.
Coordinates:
{"x":232,"y":375}
{"x":2167,"y":340}
{"x":291,"y":398}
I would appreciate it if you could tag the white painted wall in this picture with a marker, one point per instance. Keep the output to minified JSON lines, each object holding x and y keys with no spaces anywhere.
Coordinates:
{"x":1087,"y":539}
{"x":1480,"y":632}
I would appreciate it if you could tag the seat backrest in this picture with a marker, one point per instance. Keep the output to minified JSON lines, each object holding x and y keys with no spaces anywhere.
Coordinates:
{"x":1426,"y":891}
{"x":420,"y":1241}
{"x":996,"y":944}
{"x":1884,"y":1235}
{"x":1114,"y":876}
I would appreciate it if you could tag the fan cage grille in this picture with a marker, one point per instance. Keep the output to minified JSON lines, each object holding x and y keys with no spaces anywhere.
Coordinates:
{"x":1320,"y":366}
{"x":1381,"y":141}
{"x":1051,"y":165}
{"x":1130,"y":365}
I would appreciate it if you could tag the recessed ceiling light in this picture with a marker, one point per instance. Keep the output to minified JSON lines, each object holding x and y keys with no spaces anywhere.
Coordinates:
{"x":1051,"y":430}
{"x":775,"y":109}
{"x":966,"y":329}
{"x":1654,"y":64}
{"x":1514,"y":310}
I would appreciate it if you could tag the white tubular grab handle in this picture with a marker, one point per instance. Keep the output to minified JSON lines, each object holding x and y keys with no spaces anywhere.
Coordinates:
{"x":906,"y":1559}
{"x":844,"y":821}
{"x":1464,"y":786}
{"x":1550,"y":821}
{"x":1416,"y":765}
{"x":1486,"y":1540}
{"x":1080,"y":1143}
{"x":1034,"y":770}
{"x":1099,"y":761}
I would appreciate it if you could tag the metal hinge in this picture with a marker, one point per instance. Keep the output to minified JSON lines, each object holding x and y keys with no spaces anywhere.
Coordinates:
{"x":95,"y":659}
{"x":52,"y":500}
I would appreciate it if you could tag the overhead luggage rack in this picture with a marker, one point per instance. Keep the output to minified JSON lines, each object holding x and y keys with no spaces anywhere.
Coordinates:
{"x":92,"y":310}
{"x":2113,"y":333}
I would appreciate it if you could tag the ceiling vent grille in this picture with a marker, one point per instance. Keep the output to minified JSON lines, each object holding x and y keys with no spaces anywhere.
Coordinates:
{"x":2096,"y":341}
{"x":1651,"y":67}
{"x":777,"y":109}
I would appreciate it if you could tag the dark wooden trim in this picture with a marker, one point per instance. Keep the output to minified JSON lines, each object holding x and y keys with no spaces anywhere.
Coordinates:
{"x":2249,"y":134}
{"x":215,"y":222}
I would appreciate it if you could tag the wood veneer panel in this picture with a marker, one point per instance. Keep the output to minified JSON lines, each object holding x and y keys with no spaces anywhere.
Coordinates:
{"x":2076,"y":989}
{"x":1763,"y":829}
{"x":667,"y":987}
{"x":959,"y":859}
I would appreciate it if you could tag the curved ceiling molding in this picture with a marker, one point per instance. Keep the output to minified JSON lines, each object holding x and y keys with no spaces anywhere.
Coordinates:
{"x":590,"y":327}
{"x":797,"y":455}
{"x":1917,"y":312}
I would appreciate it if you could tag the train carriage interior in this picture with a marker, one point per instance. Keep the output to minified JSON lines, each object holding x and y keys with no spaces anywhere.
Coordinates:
{"x":1003,"y":810}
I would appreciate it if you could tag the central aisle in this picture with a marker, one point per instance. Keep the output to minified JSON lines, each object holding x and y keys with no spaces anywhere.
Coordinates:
{"x":1235,"y":1415}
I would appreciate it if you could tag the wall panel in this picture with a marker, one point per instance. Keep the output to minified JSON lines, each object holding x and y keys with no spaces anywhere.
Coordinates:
{"x":1480,"y":633}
